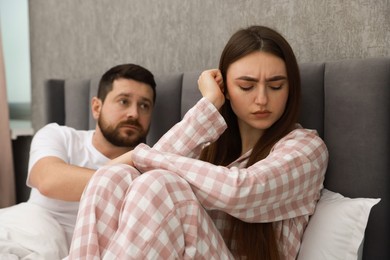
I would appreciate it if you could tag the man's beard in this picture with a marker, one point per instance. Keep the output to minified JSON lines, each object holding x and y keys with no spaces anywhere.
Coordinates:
{"x":112,"y":133}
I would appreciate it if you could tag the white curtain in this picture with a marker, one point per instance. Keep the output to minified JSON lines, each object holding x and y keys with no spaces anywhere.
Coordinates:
{"x":7,"y":179}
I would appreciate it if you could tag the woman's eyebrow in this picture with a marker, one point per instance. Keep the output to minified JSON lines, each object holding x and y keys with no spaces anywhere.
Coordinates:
{"x":252,"y":79}
{"x":248,"y":78}
{"x":275,"y":78}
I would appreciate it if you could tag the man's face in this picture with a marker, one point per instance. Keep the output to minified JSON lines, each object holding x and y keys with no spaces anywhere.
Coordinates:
{"x":124,"y":117}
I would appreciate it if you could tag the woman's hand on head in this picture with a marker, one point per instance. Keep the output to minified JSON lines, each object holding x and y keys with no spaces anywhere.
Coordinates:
{"x":210,"y":84}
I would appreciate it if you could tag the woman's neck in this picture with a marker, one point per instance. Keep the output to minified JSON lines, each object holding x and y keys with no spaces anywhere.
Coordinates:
{"x":249,"y":137}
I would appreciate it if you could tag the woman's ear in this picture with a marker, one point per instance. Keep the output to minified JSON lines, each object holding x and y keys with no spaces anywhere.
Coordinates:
{"x":96,"y":107}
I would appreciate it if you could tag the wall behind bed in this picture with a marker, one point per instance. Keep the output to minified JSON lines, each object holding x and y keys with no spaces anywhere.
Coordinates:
{"x":78,"y":38}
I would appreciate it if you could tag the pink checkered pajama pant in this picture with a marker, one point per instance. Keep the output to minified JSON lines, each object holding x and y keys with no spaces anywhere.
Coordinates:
{"x":156,"y":215}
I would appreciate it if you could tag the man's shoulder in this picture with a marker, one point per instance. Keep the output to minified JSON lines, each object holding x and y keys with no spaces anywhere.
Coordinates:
{"x":56,"y":129}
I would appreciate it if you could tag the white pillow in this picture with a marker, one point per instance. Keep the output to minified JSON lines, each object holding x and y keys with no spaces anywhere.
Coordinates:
{"x":336,"y":229}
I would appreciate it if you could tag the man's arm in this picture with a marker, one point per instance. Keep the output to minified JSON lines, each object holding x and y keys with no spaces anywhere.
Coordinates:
{"x":56,"y":179}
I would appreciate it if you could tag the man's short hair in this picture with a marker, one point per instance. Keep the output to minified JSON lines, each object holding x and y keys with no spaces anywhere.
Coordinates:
{"x":125,"y":71}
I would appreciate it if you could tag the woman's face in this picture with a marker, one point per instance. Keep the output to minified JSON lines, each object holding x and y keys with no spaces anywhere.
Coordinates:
{"x":258,"y":88}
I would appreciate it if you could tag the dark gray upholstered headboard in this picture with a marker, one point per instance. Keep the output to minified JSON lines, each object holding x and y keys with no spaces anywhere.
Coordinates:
{"x":347,"y":101}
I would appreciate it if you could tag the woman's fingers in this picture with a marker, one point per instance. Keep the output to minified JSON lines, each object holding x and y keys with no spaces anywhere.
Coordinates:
{"x":211,"y":86}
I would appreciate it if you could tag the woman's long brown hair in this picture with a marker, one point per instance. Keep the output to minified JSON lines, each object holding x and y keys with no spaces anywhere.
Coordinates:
{"x":254,"y":240}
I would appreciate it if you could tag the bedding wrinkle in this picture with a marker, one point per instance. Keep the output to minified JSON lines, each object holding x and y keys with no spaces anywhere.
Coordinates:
{"x":29,"y":232}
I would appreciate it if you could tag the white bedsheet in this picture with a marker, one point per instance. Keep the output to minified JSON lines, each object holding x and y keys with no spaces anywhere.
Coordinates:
{"x":29,"y":232}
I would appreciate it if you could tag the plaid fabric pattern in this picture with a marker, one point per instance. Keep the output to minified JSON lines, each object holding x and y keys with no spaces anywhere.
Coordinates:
{"x":201,"y":125}
{"x":177,"y":207}
{"x":155,"y":216}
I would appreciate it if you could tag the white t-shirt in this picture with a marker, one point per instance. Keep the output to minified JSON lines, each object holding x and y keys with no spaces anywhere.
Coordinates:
{"x":74,"y":147}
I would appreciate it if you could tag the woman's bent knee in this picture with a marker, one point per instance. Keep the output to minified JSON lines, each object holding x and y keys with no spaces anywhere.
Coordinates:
{"x":163,"y":182}
{"x":117,"y":169}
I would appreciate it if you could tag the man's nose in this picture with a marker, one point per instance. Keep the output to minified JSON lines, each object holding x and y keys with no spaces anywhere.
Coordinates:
{"x":132,"y":111}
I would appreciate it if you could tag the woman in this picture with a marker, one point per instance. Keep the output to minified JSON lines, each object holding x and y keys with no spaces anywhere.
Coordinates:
{"x":240,"y":182}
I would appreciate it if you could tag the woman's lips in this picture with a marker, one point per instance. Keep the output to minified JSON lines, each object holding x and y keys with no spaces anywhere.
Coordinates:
{"x":262,"y":114}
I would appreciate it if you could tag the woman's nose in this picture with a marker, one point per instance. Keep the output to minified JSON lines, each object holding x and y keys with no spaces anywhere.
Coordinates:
{"x":261,"y":96}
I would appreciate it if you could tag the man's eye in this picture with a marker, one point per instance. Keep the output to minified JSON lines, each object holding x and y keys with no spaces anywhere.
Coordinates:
{"x":144,"y":106}
{"x":123,"y":101}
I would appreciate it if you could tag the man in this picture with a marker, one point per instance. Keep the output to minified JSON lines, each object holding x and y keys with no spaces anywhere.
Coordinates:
{"x":62,"y":159}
